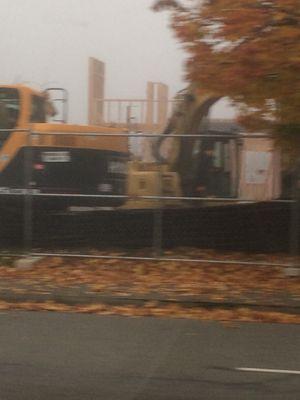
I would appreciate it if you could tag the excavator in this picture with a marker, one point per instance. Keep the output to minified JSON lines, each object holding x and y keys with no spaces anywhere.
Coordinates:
{"x":199,"y":158}
{"x":178,"y":153}
{"x":46,"y":158}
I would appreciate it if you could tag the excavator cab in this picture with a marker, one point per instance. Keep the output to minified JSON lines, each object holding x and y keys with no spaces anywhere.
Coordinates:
{"x":42,"y":108}
{"x":9,"y":107}
{"x":20,"y":106}
{"x":64,"y":158}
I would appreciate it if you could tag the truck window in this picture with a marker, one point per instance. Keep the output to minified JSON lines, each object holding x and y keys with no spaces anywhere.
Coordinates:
{"x":38,"y":109}
{"x":9,"y":112}
{"x":9,"y":108}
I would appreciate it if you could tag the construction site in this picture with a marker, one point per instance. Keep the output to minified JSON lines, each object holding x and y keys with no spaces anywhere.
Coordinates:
{"x":149,"y":172}
{"x":150,"y":200}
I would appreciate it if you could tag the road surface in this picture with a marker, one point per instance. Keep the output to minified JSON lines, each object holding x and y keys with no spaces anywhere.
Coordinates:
{"x":47,"y":356}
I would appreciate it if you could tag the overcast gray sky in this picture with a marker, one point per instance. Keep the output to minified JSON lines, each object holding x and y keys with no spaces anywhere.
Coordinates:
{"x":47,"y":42}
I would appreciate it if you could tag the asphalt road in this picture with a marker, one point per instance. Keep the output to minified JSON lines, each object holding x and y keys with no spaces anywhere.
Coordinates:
{"x":70,"y":356}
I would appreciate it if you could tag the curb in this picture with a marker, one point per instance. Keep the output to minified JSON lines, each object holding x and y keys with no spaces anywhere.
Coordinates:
{"x":73,"y":300}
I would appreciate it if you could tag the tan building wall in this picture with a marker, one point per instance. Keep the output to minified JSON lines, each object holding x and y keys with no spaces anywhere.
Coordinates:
{"x":150,"y":104}
{"x":157,"y":106}
{"x":162,"y":104}
{"x":260,"y":176}
{"x":96,"y":92}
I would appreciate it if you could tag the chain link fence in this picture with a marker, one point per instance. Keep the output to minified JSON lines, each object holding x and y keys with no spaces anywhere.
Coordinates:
{"x":233,"y":196}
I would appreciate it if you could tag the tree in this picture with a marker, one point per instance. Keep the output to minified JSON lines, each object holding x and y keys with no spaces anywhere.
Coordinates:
{"x":248,"y":50}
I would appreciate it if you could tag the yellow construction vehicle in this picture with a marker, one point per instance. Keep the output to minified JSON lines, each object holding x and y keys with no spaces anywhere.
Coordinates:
{"x":173,"y":173}
{"x":68,"y":159}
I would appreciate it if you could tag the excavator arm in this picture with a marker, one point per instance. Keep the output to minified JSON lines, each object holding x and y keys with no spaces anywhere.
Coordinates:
{"x":192,"y":108}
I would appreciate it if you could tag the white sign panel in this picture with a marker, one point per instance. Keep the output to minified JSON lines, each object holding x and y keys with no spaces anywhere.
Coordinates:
{"x":257,"y":165}
{"x":56,"y":156}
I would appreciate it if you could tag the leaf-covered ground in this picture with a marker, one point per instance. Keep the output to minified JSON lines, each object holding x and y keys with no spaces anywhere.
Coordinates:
{"x":151,"y":309}
{"x":173,"y":280}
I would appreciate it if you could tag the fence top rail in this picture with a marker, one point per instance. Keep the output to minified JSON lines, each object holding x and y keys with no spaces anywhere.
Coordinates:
{"x":157,"y":135}
{"x":146,"y":134}
{"x":233,"y":200}
{"x":172,"y":259}
{"x":209,"y":262}
{"x":116,"y":100}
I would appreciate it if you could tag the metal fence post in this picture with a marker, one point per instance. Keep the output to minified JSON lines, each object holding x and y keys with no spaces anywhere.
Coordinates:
{"x":295,"y":224}
{"x":157,"y":232}
{"x":28,"y":211}
{"x":157,"y":227}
